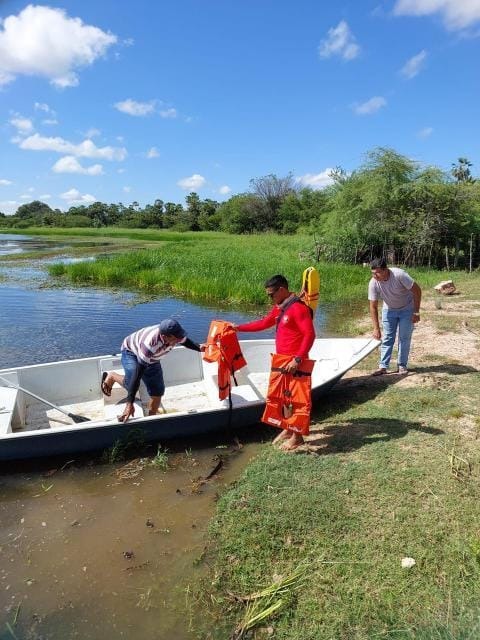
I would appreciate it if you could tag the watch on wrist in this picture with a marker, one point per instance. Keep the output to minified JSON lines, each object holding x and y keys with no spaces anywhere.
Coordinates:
{"x":298,"y":360}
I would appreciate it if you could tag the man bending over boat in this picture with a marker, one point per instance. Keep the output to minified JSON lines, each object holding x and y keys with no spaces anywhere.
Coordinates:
{"x":141,"y":353}
{"x":294,"y":337}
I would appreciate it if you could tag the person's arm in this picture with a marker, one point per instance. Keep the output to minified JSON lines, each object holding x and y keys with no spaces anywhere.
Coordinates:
{"x":259,"y":325}
{"x":377,"y":334}
{"x":194,"y":346}
{"x":306,"y":328}
{"x":129,"y":410}
{"x":417,"y":298}
{"x":304,"y":322}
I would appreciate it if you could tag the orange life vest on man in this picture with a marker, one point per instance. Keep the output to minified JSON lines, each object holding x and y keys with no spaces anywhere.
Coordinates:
{"x":223,"y":347}
{"x":289,"y":395}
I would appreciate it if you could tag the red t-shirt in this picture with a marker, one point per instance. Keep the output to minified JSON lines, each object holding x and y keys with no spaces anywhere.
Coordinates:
{"x":295,"y":332}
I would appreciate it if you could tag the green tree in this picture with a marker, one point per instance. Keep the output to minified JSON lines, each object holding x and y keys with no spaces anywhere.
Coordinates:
{"x":461,"y":171}
{"x":270,"y":192}
{"x":33,"y":209}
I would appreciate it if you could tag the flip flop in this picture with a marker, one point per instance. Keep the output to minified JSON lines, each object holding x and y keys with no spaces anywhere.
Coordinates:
{"x":106,"y":388}
{"x":379,"y":372}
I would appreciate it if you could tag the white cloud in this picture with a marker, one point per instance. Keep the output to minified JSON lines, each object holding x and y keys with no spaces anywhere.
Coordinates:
{"x":50,"y":121}
{"x":8,"y":206}
{"x":340,"y":41}
{"x":4,"y":182}
{"x":127,"y":189}
{"x":73,"y":196}
{"x":42,"y":106}
{"x":134,"y":108}
{"x":224,"y":190}
{"x":456,"y":14}
{"x":85,"y":149}
{"x":44,"y":41}
{"x":153,"y":153}
{"x":168,"y":113}
{"x":69,"y":164}
{"x":23,"y":125}
{"x":316,"y":180}
{"x":195,"y":181}
{"x":426,"y":132}
{"x":414,"y":65}
{"x":92,"y":132}
{"x":122,"y":170}
{"x":370,"y":106}
{"x":25,"y":197}
{"x":31,"y":189}
{"x":45,"y":196}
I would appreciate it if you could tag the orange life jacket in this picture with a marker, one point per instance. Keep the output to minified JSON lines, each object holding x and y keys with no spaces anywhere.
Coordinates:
{"x":289,"y":395}
{"x":223,"y":347}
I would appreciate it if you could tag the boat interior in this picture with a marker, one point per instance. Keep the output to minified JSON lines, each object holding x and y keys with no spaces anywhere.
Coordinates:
{"x":191,"y":385}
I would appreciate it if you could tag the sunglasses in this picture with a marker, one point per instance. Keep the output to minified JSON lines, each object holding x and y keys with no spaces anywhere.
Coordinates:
{"x":270,"y":294}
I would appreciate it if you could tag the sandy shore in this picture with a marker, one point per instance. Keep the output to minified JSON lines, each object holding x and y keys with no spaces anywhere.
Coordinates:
{"x":444,"y":339}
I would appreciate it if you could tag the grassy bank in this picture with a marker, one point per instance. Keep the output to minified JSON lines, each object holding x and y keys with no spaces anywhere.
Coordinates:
{"x":392,"y":471}
{"x":212,"y":267}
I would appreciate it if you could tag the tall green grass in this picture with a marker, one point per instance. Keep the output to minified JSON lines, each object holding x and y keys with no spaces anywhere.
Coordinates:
{"x":160,"y":235}
{"x":216,"y":268}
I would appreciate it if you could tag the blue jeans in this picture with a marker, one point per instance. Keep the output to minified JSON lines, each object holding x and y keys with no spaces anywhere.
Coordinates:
{"x":152,"y":376}
{"x":393,"y":320}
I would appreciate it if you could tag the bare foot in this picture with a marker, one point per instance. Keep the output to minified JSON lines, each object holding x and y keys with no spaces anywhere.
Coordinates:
{"x":283,"y":435}
{"x":296,"y":440}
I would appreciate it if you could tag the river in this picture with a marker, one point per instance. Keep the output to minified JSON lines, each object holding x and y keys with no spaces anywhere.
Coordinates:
{"x":89,"y":550}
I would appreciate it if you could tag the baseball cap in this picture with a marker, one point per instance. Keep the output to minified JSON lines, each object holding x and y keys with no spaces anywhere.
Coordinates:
{"x":170,"y":327}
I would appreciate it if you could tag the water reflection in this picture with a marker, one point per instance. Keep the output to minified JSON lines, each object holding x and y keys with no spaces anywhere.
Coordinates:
{"x":12,"y":244}
{"x":63,"y":536}
{"x":48,"y":324}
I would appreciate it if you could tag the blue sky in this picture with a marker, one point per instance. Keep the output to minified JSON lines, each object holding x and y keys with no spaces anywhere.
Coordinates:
{"x":132,"y":101}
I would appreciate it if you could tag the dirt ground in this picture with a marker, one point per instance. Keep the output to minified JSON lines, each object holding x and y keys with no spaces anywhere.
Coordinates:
{"x":459,"y":345}
{"x":446,"y":336}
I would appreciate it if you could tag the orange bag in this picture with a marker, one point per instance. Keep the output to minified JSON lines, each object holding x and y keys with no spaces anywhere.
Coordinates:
{"x":289,"y":399}
{"x":223,"y":347}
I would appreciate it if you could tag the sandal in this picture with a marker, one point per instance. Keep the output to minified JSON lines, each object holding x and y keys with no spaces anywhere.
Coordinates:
{"x":106,"y":388}
{"x":379,"y":372}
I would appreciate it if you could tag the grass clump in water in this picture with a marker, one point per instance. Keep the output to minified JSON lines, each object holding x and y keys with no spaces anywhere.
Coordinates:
{"x":160,"y":460}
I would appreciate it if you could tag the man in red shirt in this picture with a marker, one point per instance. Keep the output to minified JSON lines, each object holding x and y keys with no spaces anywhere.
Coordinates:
{"x":294,"y":337}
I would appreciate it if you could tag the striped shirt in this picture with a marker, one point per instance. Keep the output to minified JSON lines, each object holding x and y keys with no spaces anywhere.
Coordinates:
{"x":147,"y":344}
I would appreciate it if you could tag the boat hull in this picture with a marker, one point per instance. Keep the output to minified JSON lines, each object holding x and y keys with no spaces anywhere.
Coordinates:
{"x":52,"y":379}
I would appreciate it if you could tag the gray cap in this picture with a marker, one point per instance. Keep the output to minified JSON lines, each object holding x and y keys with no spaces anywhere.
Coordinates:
{"x":170,"y":327}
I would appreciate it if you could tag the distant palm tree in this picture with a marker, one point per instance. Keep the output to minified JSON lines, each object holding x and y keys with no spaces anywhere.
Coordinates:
{"x":461,"y":171}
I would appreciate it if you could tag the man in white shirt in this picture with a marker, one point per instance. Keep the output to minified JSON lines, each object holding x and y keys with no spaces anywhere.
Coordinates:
{"x":401,"y":297}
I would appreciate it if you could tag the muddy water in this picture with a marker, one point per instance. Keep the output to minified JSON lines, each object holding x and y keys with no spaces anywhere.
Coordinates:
{"x":77,"y":558}
{"x":94,"y":551}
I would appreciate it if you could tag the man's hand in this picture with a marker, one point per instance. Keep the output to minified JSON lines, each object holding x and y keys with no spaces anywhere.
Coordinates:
{"x":291,"y":366}
{"x":415,"y":318}
{"x":377,"y":334}
{"x":128,"y":412}
{"x":203,"y":346}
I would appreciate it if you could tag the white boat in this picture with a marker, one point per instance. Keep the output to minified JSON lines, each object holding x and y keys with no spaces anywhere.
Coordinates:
{"x":30,"y":429}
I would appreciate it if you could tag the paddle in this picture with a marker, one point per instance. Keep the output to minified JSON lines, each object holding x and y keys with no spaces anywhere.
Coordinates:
{"x":72,"y":416}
